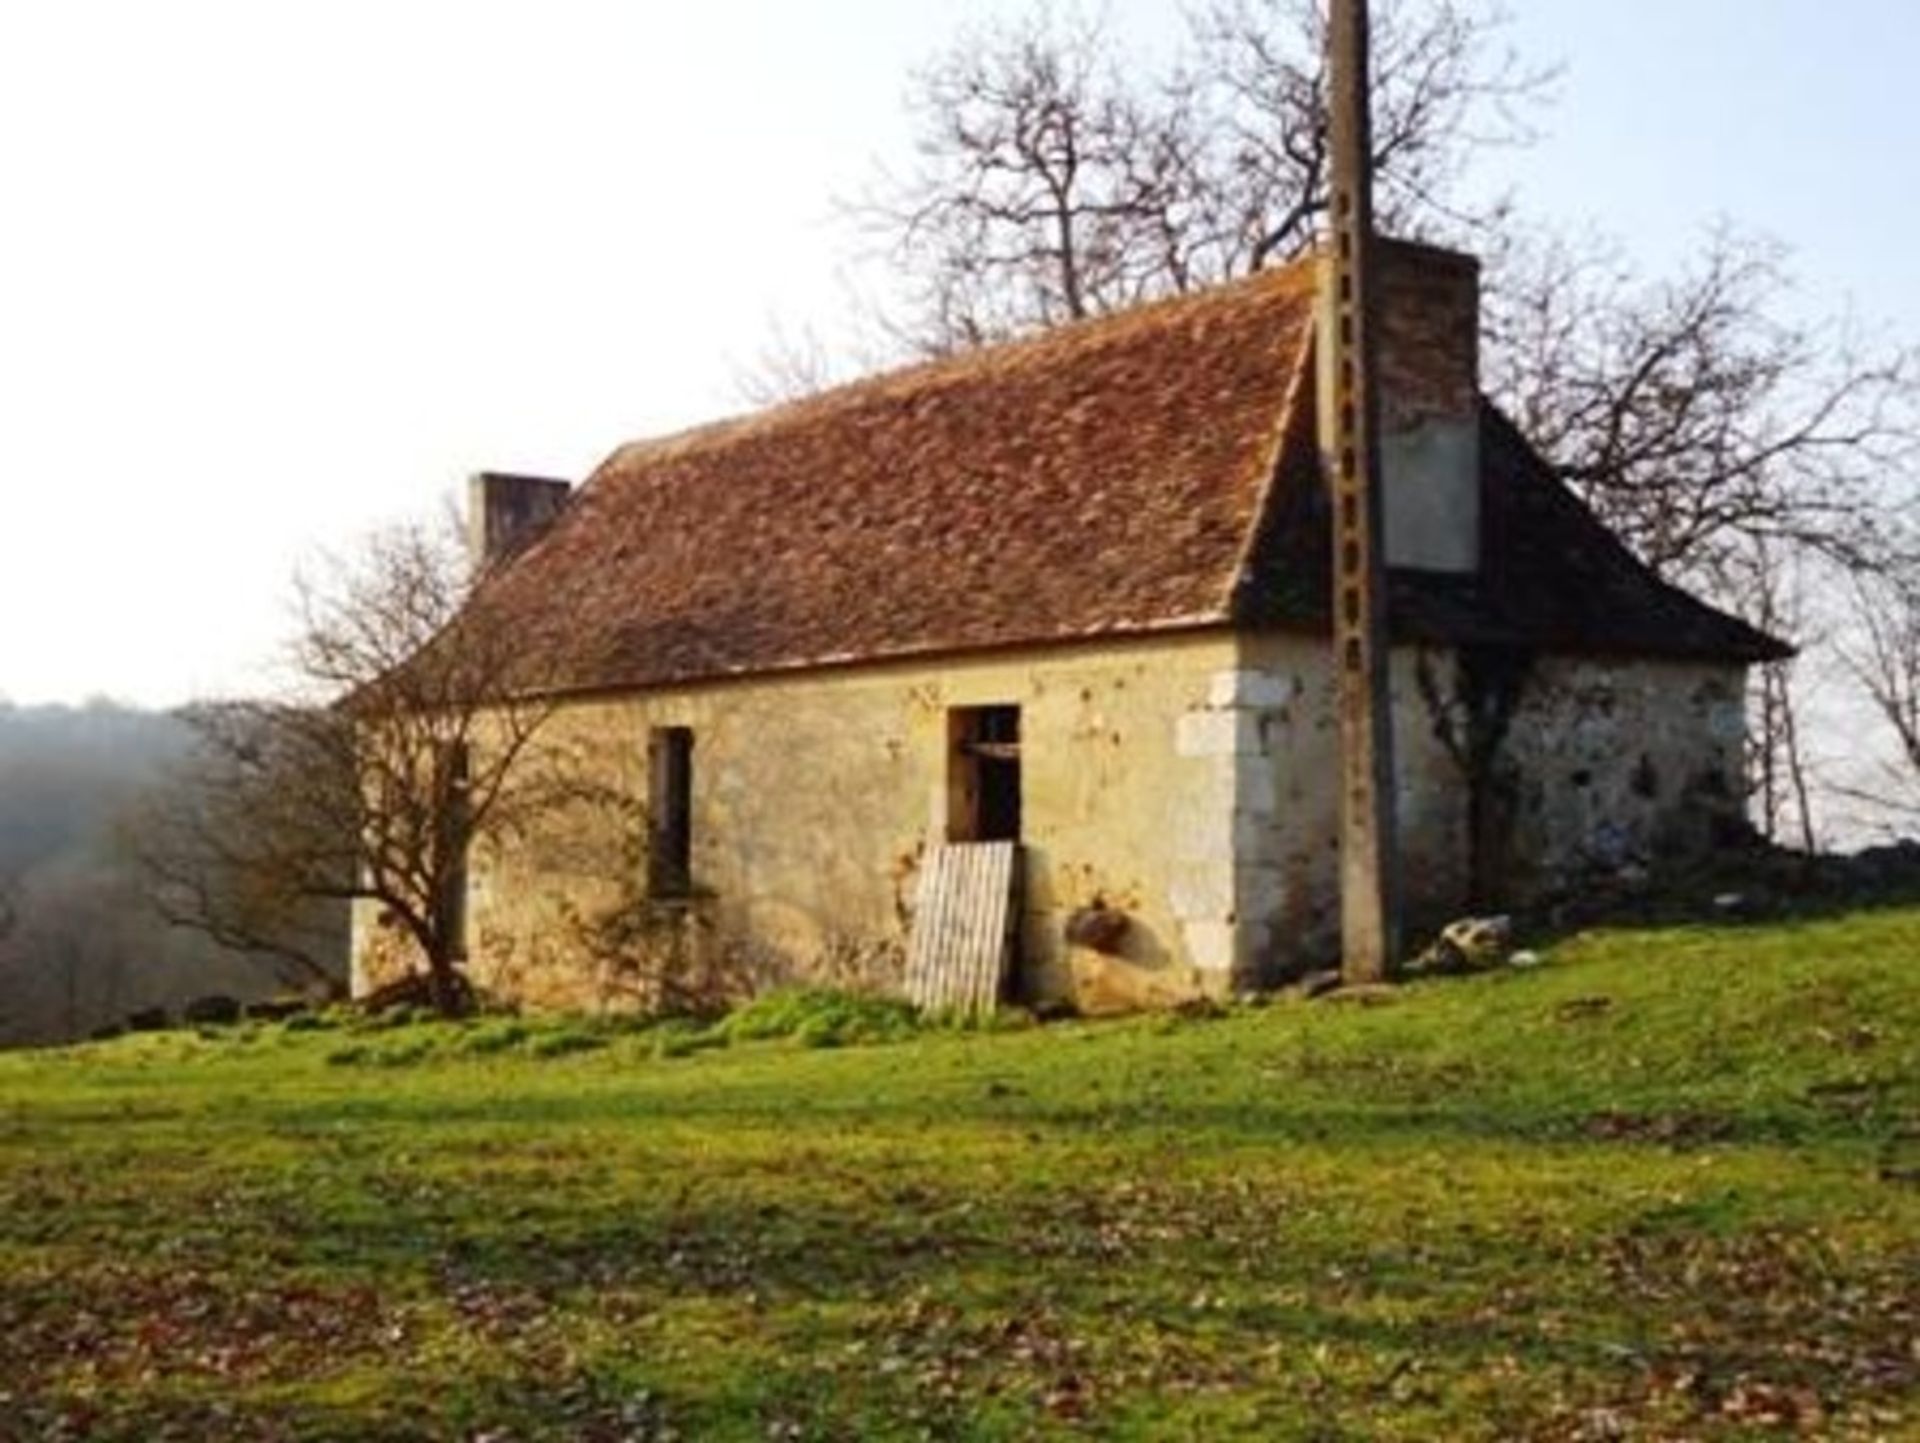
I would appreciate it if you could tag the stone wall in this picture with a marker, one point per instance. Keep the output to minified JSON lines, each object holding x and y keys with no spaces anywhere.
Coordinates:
{"x":1605,"y":764}
{"x":1188,"y":783}
{"x":1288,"y":820}
{"x":1622,"y":763}
{"x":815,"y":795}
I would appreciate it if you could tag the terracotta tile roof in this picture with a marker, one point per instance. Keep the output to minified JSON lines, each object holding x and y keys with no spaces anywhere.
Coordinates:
{"x":1100,"y":479}
{"x":1148,"y":471}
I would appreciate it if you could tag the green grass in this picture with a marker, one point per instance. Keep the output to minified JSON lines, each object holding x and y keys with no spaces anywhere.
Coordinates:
{"x":1661,"y":1187}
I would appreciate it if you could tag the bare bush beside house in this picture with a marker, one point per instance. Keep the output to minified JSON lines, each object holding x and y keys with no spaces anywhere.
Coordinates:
{"x":209,"y":837}
{"x":412,"y":749}
{"x":405,"y":738}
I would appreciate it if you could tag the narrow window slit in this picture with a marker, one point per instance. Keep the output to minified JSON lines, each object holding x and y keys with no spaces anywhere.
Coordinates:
{"x":670,"y":812}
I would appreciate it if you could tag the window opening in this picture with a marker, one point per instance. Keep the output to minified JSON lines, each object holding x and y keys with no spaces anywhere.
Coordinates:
{"x":670,"y":812}
{"x":456,"y":821}
{"x":983,"y":793}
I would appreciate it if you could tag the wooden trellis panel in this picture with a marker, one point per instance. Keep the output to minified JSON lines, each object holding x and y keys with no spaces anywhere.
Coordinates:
{"x":963,"y":926}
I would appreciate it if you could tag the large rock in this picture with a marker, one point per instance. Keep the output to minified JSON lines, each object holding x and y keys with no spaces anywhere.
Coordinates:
{"x":1111,"y":986}
{"x":1471,"y":944}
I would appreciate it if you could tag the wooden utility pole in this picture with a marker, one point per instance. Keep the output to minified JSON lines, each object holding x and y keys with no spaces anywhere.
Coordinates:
{"x":1349,"y":425}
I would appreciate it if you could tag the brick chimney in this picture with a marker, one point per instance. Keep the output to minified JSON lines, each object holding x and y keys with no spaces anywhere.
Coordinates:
{"x":1428,"y":318}
{"x":505,"y":512}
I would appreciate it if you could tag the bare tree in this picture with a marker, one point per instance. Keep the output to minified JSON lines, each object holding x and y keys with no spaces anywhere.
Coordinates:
{"x":405,"y":737}
{"x":788,"y":365}
{"x":1882,"y":653}
{"x":1772,"y":581}
{"x":1445,"y":88}
{"x":1032,"y":202}
{"x":1692,"y":414}
{"x":1052,"y":185}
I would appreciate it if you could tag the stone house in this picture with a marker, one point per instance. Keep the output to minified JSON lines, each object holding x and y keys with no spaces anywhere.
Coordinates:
{"x":1073,"y":591}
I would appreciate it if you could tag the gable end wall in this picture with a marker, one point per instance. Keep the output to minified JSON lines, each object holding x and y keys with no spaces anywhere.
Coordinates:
{"x":1610,"y":766}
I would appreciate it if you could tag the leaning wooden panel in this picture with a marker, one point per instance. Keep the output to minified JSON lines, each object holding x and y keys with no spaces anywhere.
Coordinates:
{"x":960,"y":949}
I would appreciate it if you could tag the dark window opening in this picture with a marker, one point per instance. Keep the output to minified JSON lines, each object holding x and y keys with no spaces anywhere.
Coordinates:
{"x":456,"y":835}
{"x":670,"y":812}
{"x":983,"y":792}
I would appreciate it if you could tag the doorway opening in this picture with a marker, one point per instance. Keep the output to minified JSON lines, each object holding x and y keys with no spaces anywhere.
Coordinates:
{"x":983,"y":774}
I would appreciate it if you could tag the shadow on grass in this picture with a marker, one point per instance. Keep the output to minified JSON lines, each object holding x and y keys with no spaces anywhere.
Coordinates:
{"x":1661,"y":1115}
{"x":1787,"y":889}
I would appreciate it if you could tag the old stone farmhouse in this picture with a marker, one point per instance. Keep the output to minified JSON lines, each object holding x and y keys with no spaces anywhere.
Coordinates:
{"x":1073,"y":592}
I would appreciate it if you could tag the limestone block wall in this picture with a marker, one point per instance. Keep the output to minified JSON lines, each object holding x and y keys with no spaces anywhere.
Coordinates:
{"x":1606,"y":763}
{"x":1188,"y":782}
{"x":1287,"y":824}
{"x":1621,"y":762}
{"x":815,"y":795}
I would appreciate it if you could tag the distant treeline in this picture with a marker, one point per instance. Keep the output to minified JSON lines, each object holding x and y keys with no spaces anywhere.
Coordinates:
{"x":80,"y":945}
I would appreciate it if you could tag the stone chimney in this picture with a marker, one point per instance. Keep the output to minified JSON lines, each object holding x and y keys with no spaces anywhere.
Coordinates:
{"x":1427,"y":314}
{"x":506,"y":512}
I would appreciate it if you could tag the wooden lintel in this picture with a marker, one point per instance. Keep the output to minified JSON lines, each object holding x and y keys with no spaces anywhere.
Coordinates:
{"x":994,"y":751}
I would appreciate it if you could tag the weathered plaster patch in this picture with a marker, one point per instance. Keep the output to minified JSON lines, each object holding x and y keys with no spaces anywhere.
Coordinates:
{"x":1220,"y":732}
{"x":1212,"y":946}
{"x":1250,"y":687}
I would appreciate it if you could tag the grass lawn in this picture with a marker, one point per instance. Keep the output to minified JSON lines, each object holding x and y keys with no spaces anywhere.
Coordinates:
{"x":1662,"y":1187}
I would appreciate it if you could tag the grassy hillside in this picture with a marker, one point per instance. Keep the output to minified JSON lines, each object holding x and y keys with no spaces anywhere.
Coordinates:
{"x":1663,"y":1186}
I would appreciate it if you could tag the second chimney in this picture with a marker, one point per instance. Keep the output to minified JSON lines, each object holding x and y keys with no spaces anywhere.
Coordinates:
{"x":505,"y":512}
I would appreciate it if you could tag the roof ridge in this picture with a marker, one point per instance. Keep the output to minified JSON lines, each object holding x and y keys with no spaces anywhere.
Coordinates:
{"x":1097,"y":479}
{"x":1040,"y":347}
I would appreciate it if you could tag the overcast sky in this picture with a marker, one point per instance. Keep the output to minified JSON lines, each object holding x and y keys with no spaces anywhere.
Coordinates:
{"x":273,"y":272}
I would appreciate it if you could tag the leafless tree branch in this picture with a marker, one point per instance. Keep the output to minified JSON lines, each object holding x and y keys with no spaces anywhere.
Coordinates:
{"x":1052,"y":184}
{"x":404,"y":741}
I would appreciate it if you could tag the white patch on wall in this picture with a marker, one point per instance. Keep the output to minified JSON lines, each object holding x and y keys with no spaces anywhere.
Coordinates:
{"x":1430,"y":483}
{"x":1201,"y":890}
{"x":1221,"y":732}
{"x":1251,"y":688}
{"x":1217,"y":893}
{"x":1210,"y":945}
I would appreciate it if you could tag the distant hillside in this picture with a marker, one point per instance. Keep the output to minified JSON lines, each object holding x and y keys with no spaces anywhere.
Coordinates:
{"x":81,"y":947}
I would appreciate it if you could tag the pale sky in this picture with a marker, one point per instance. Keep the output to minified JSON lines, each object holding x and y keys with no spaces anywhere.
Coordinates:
{"x":273,"y":272}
